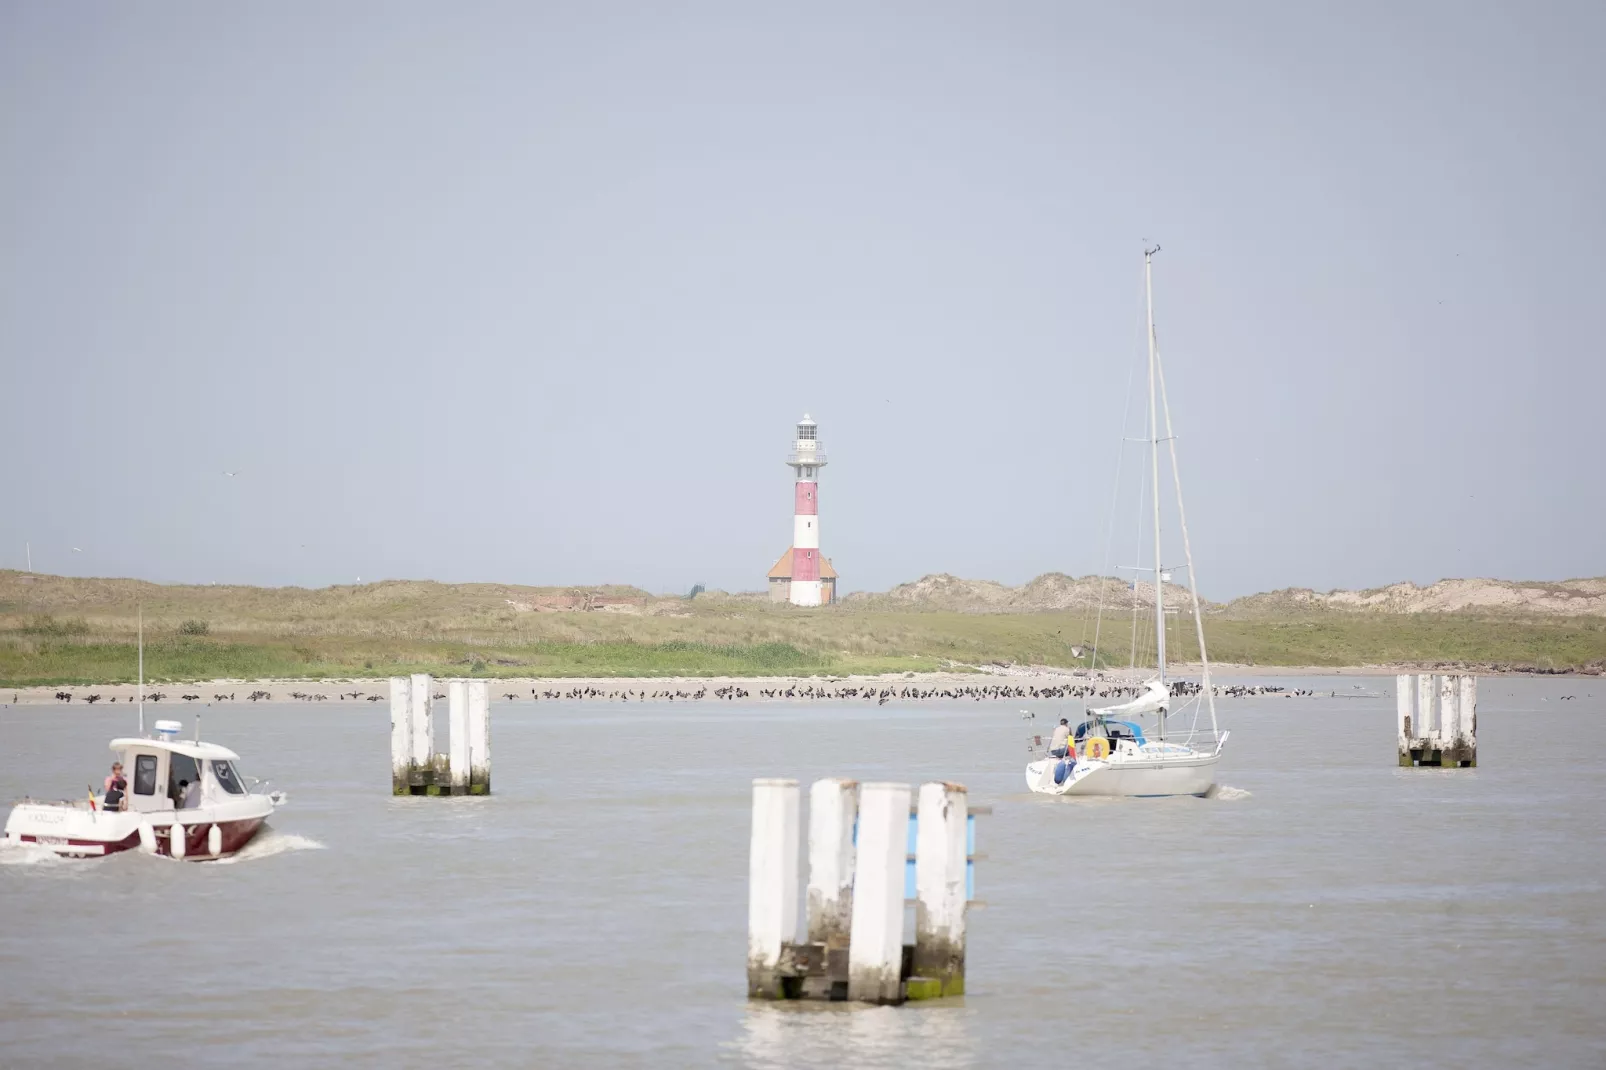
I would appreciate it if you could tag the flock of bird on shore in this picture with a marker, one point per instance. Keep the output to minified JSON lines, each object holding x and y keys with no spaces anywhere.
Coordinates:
{"x":732,"y":692}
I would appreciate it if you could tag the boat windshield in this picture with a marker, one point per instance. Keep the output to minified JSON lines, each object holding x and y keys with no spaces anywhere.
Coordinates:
{"x":228,"y":777}
{"x":1111,"y":729}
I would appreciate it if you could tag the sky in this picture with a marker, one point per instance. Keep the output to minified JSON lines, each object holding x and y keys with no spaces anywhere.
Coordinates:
{"x":534,"y":293}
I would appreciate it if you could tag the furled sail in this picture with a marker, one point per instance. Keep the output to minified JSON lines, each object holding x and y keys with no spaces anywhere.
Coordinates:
{"x":1156,"y":696}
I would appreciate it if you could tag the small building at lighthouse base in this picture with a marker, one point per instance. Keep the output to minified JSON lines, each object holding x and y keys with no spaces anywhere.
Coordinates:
{"x":781,"y":580}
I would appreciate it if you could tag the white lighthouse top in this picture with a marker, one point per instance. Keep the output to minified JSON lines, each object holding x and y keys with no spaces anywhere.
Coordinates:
{"x":807,"y":451}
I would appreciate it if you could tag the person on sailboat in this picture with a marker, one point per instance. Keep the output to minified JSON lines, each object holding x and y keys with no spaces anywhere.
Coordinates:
{"x":1062,"y":735}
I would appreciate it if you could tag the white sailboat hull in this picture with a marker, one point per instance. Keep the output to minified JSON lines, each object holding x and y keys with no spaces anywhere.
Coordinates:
{"x":1136,"y":776}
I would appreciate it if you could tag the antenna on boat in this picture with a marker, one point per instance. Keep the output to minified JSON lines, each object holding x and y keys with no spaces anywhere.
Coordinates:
{"x":197,"y":728}
{"x":142,"y":670}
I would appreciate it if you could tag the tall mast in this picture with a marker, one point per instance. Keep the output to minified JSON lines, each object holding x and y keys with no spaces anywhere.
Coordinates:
{"x":142,"y":670}
{"x":1154,"y":460}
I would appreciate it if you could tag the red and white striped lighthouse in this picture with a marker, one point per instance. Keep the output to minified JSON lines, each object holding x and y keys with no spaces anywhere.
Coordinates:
{"x":807,"y":458}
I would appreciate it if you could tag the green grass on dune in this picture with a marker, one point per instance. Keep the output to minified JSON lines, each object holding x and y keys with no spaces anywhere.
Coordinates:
{"x":179,"y":659}
{"x":57,"y":630}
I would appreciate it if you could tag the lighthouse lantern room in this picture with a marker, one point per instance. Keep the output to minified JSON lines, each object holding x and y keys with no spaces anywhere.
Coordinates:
{"x":802,"y":576}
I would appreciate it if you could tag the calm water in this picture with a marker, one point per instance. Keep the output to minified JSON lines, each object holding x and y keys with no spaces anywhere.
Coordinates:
{"x":1331,"y":909}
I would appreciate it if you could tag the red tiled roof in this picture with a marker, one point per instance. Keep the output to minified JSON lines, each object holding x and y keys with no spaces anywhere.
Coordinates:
{"x":782,"y":569}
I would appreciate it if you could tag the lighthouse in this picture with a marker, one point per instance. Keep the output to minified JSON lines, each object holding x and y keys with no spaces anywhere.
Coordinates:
{"x":802,"y":577}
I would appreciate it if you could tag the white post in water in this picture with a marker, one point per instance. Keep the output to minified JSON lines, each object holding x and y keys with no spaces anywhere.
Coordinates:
{"x":401,"y":735}
{"x":423,"y":721}
{"x":833,"y":808}
{"x":1449,"y":719}
{"x":479,"y":737}
{"x":940,"y":863}
{"x":1437,"y":720}
{"x":1469,"y":717}
{"x":771,"y":884}
{"x":875,"y":949}
{"x":1405,"y":714}
{"x":457,"y":728}
{"x":1429,"y":724}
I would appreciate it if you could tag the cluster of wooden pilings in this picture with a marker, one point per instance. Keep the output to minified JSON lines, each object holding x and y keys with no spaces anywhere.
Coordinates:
{"x":415,"y":768}
{"x":869,"y":851}
{"x":1438,"y":720}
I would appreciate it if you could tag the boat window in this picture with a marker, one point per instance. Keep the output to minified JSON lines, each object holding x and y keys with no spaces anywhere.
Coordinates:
{"x":145,"y":774}
{"x":227,"y":777}
{"x":181,"y":767}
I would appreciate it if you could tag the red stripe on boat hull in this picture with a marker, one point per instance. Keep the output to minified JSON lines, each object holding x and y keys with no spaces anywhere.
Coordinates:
{"x":236,"y":834}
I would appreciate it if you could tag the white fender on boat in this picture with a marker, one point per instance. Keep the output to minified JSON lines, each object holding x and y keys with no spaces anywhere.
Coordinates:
{"x":176,"y":837}
{"x":147,"y":838}
{"x":214,"y":841}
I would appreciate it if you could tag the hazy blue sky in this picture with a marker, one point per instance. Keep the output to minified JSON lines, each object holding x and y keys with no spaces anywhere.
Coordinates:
{"x":535,"y":293}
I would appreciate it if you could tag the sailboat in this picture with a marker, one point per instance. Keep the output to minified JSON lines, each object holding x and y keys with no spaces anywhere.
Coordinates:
{"x":1111,"y":752}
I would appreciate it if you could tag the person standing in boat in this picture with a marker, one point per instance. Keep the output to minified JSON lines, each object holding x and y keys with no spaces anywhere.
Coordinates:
{"x":1062,"y":735}
{"x":115,"y":795}
{"x":116,"y":774}
{"x":190,"y":794}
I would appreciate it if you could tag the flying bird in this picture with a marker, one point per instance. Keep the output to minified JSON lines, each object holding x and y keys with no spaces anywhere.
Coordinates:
{"x":77,"y":550}
{"x":231,"y":475}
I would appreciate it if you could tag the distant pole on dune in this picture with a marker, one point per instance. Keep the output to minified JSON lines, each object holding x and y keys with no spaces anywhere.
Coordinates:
{"x":141,"y":611}
{"x":28,"y":549}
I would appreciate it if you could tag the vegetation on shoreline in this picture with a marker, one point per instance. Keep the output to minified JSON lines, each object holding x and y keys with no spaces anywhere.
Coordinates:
{"x":61,"y":631}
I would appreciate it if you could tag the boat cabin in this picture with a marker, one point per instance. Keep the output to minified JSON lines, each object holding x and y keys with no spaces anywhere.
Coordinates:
{"x":155,"y":769}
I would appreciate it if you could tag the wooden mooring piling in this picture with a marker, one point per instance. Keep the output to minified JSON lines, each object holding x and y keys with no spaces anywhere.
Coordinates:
{"x":465,"y":768}
{"x":1438,"y":720}
{"x":873,"y":849}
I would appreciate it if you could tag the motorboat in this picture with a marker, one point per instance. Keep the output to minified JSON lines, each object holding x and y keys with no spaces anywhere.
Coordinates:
{"x":155,"y":814}
{"x":1110,"y":752}
{"x":180,"y":798}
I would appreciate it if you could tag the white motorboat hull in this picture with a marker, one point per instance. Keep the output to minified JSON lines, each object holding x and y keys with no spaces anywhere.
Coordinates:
{"x":75,"y":831}
{"x":1142,"y":776}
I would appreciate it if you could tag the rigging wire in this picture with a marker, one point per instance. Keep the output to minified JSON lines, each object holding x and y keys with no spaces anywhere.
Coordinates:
{"x":1109,"y":527}
{"x":1182,"y":522}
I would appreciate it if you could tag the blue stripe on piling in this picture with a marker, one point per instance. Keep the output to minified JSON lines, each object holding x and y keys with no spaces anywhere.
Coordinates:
{"x":970,"y":857}
{"x":910,"y":889}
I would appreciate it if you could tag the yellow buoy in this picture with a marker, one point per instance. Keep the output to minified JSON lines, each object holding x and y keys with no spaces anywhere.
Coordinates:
{"x":1098,"y":748}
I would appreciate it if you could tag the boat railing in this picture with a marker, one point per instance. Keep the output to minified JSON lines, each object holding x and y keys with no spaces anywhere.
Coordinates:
{"x":1202,"y":742}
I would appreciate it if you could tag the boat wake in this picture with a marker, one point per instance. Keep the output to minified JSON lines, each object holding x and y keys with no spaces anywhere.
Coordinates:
{"x":26,"y":854}
{"x":270,"y":842}
{"x":1228,"y":793}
